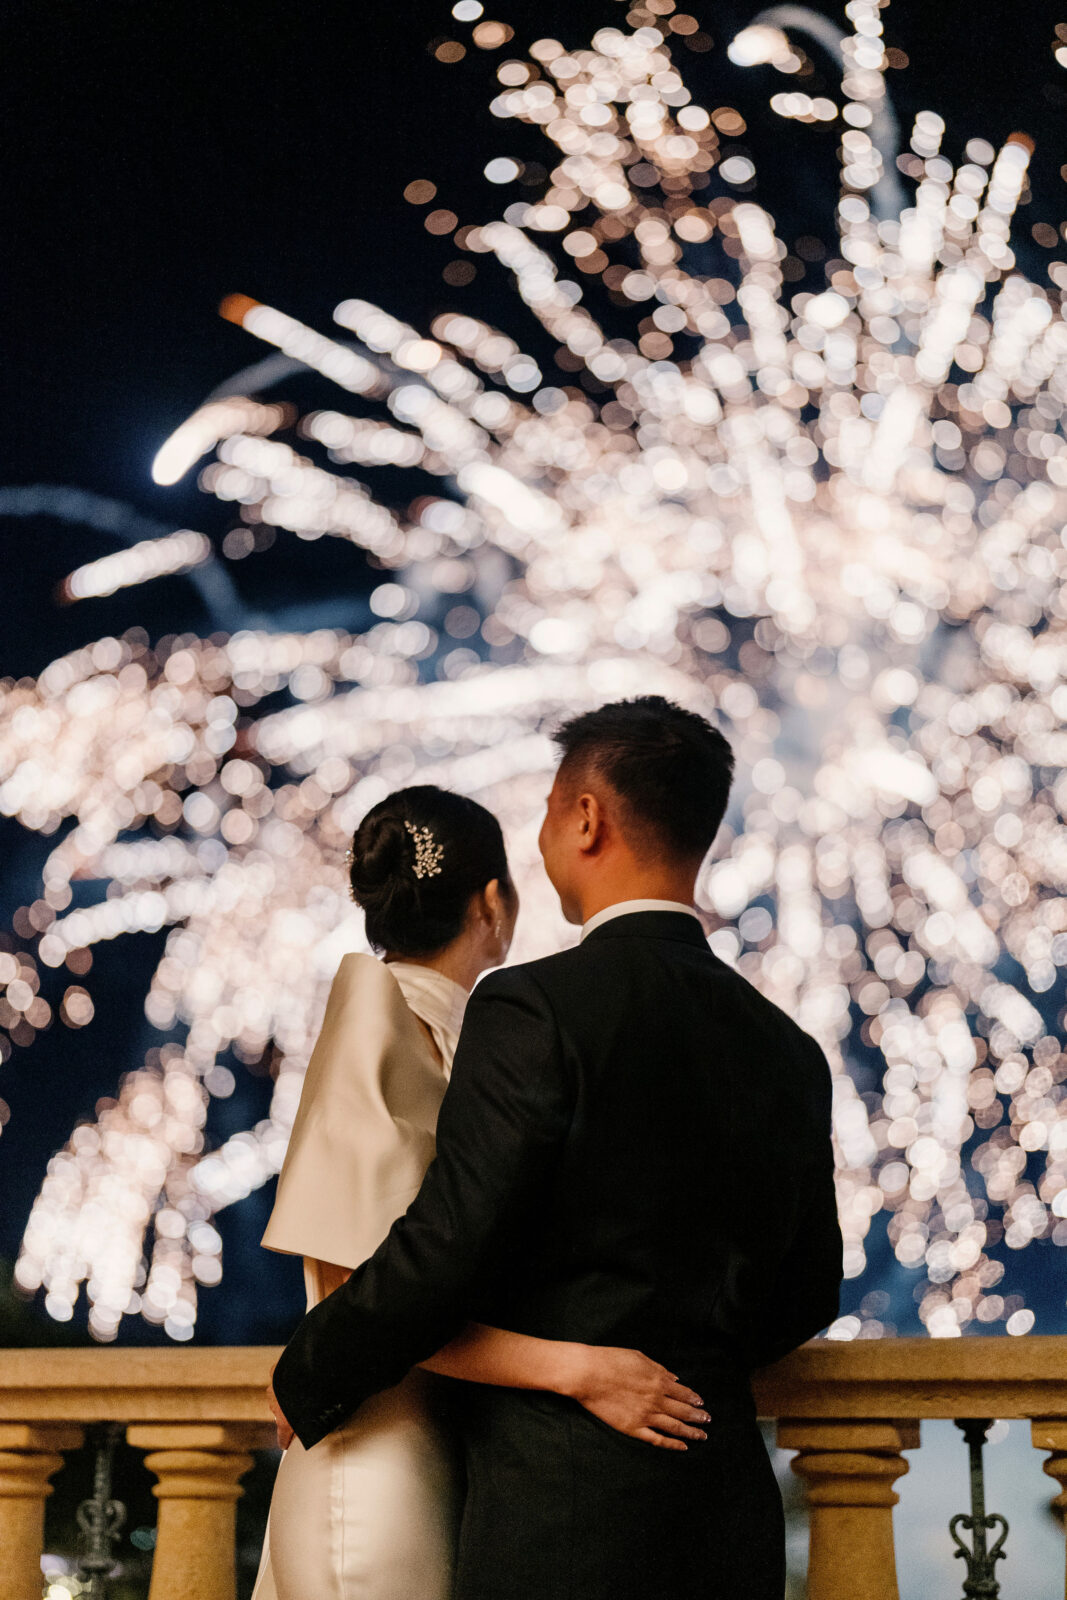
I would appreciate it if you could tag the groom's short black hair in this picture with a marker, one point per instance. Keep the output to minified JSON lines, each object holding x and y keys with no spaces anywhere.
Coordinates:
{"x":670,"y":768}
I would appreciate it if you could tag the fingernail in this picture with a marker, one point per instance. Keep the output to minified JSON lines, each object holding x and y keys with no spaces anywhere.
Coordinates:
{"x":701,"y":1435}
{"x":704,"y":1417}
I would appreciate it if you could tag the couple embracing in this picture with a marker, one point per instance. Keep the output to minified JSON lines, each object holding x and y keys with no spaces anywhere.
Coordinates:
{"x":524,"y":1371}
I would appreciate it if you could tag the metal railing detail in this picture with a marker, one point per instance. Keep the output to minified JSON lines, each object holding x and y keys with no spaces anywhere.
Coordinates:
{"x":100,"y":1518}
{"x":981,"y":1559}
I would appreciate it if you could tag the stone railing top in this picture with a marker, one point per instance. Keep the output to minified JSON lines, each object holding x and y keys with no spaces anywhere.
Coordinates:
{"x":223,"y":1384}
{"x":996,"y":1376}
{"x":976,"y":1377}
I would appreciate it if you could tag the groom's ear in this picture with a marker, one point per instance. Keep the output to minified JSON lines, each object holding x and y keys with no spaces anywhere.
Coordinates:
{"x":590,"y":822}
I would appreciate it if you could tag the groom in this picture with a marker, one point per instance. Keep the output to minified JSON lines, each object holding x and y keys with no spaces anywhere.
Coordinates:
{"x":634,"y":1150}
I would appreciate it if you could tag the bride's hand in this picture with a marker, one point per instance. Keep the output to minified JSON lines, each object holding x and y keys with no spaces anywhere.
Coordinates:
{"x":637,"y":1396}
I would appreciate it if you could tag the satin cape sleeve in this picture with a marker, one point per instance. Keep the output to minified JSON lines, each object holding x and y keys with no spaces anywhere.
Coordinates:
{"x":364,"y":1132}
{"x":503,"y":1126}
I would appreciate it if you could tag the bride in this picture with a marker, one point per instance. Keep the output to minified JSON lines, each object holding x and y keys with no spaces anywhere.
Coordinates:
{"x":372,"y":1511}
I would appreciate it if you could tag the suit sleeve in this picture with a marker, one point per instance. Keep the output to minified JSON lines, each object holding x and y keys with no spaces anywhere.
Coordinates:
{"x":804,"y":1296}
{"x":503,"y":1121}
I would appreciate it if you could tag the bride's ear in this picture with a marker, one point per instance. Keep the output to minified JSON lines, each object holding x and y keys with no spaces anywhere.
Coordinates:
{"x":482,"y":909}
{"x":493,"y":901}
{"x":501,"y":906}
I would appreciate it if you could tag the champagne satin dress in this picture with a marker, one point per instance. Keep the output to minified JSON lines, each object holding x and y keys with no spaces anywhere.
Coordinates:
{"x":372,"y":1511}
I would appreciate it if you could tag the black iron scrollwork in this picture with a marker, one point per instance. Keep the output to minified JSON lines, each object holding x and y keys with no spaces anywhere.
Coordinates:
{"x":981,"y":1557}
{"x":100,"y":1518}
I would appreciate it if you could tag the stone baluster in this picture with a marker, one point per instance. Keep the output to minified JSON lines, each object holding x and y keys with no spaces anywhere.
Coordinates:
{"x":198,"y":1468}
{"x":29,"y":1455}
{"x":849,"y":1468}
{"x":1052,"y":1436}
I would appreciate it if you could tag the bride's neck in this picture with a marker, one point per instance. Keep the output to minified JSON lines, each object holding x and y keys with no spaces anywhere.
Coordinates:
{"x":457,"y":961}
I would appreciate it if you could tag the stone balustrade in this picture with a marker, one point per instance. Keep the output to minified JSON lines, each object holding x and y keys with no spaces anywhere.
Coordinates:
{"x":848,"y":1410}
{"x":197,"y":1414}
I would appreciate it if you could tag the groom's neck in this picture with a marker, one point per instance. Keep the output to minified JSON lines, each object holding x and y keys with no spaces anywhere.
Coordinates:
{"x":637,"y":882}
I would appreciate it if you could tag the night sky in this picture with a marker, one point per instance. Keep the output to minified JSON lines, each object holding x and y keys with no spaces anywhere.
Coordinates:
{"x":161,"y":156}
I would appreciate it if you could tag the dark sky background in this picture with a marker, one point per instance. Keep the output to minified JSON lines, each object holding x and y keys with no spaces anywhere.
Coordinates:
{"x":158,"y":157}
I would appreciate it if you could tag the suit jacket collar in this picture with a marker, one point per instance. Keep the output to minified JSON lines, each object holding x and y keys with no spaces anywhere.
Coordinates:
{"x":677,"y":925}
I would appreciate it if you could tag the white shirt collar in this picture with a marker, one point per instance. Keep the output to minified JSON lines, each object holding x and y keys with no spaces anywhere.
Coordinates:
{"x":623,"y":908}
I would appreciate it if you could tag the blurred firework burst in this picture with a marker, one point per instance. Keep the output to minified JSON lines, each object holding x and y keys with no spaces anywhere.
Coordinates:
{"x":835,"y":518}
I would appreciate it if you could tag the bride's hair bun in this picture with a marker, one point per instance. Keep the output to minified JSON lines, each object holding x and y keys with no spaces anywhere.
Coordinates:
{"x":378,"y":855}
{"x":416,"y":859}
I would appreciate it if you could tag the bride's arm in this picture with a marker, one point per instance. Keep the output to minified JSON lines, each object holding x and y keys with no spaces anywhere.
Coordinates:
{"x":327,"y":1275}
{"x":623,"y":1388}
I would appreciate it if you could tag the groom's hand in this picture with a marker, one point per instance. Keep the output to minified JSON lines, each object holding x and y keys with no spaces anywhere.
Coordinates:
{"x":285,"y":1432}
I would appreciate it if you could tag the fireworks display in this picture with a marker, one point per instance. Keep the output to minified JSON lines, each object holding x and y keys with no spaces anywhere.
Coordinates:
{"x":831,"y":515}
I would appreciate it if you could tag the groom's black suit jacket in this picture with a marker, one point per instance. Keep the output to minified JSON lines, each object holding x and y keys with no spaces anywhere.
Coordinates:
{"x":634,"y":1150}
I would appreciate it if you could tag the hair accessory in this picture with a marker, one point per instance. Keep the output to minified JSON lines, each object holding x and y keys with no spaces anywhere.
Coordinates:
{"x":350,"y":859}
{"x":428,"y":853}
